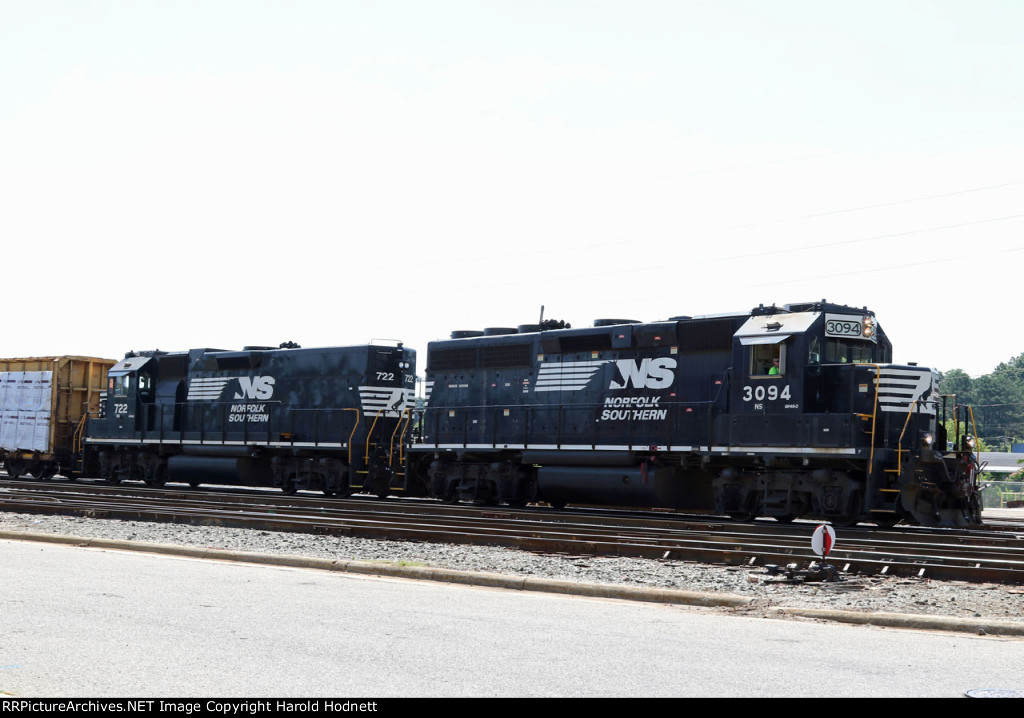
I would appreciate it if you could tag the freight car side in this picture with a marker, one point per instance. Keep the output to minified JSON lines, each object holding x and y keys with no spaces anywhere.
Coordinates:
{"x":43,"y":404}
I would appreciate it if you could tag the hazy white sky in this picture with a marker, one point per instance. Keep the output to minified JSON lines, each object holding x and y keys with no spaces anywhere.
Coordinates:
{"x":184,"y":174}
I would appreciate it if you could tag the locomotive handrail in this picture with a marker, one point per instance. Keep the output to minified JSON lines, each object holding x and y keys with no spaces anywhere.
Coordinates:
{"x":899,"y":441}
{"x":354,"y":427}
{"x":726,"y":381}
{"x":76,"y":437}
{"x":914,"y":405}
{"x":156,"y":423}
{"x":874,"y":417}
{"x":407,"y":413}
{"x":247,"y":435}
{"x":970,"y":412}
{"x":370,"y":433}
{"x":528,"y":411}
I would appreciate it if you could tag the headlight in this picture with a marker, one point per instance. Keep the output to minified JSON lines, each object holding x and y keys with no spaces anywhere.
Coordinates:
{"x":927,"y":439}
{"x":869,"y":327}
{"x":969,"y":442}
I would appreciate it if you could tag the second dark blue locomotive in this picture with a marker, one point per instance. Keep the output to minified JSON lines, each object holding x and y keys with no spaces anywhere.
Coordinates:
{"x":334,"y":419}
{"x":784,"y":412}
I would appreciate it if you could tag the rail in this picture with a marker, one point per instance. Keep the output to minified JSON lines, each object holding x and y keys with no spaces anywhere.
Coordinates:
{"x":964,"y":555}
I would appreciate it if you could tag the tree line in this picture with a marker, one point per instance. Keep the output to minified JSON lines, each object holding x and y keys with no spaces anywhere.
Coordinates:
{"x":997,"y":399}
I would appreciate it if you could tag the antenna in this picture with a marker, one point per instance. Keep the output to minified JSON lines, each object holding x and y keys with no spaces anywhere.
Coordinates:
{"x":541,"y":320}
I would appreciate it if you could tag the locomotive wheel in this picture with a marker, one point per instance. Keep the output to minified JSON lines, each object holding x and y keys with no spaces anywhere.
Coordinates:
{"x":785,"y":518}
{"x":525,"y":492}
{"x":958,"y":517}
{"x":746,"y":510}
{"x":158,"y":477}
{"x":288,"y":488}
{"x":39,"y":470}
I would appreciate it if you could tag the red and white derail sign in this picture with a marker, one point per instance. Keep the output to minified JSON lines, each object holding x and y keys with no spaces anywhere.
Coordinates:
{"x":823,"y":540}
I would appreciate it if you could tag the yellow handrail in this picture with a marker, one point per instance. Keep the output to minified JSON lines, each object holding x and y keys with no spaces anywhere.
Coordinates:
{"x":76,"y":437}
{"x":970,"y":410}
{"x":407,"y":414}
{"x":354,"y":427}
{"x":874,"y":415}
{"x":370,"y":433}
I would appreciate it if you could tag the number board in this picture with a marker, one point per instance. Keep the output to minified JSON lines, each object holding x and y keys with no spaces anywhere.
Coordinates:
{"x":844,"y":325}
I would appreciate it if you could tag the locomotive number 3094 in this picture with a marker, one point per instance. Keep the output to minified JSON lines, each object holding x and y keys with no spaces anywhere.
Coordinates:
{"x":840,"y":328}
{"x":762,"y":392}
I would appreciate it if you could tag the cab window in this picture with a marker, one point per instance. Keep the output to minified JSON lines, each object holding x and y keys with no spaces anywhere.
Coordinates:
{"x":814,"y":351}
{"x":145,"y":386}
{"x":838,"y":351}
{"x":767,"y":359}
{"x":122,"y":385}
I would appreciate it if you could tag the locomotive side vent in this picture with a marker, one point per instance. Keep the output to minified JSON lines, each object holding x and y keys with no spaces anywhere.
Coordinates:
{"x":707,"y":335}
{"x":506,"y":355}
{"x":452,"y":359}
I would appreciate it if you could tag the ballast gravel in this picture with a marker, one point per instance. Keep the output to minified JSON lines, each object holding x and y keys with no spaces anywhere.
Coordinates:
{"x":853,"y":593}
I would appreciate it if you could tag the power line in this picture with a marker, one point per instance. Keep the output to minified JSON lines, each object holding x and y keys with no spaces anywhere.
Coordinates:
{"x":614,"y":243}
{"x":914,"y":199}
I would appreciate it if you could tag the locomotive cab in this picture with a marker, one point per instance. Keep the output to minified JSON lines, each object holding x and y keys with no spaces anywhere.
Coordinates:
{"x":814,"y":384}
{"x":129,"y":389}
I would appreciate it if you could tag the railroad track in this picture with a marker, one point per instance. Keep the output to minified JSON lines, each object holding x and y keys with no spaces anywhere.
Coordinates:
{"x":995,"y":555}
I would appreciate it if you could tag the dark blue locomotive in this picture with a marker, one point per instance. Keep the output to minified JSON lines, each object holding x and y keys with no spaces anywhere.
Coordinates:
{"x":785,"y":412}
{"x":332,"y":419}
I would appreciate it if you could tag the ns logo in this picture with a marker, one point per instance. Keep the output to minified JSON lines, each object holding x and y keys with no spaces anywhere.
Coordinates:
{"x":256,"y":387}
{"x":650,"y":373}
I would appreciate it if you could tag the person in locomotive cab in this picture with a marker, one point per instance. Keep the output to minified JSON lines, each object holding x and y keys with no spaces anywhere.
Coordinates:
{"x":774,"y":367}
